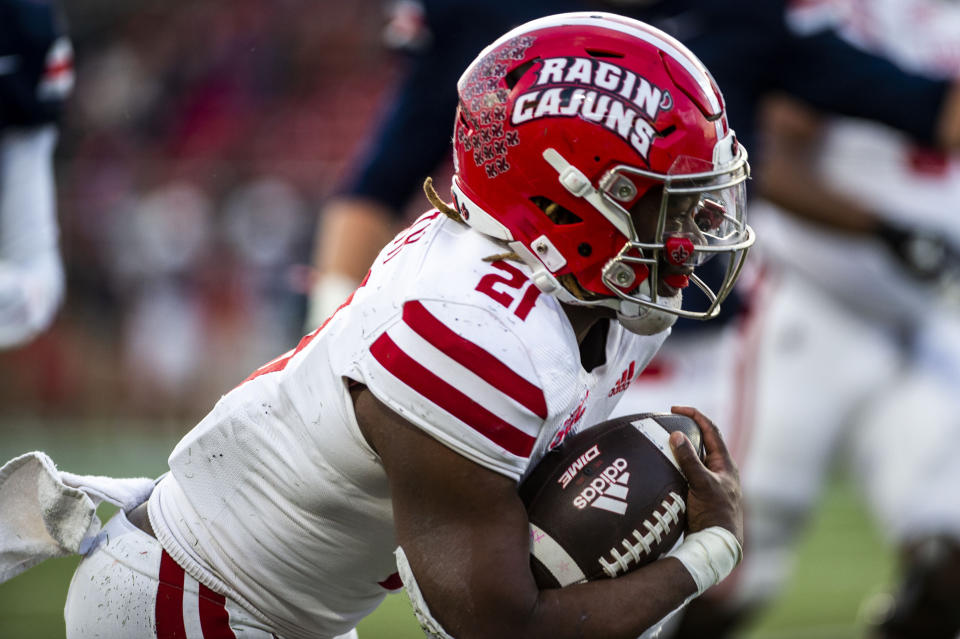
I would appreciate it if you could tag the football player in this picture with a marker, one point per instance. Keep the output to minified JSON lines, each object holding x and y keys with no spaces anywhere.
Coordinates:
{"x":36,"y":76}
{"x":595,"y":173}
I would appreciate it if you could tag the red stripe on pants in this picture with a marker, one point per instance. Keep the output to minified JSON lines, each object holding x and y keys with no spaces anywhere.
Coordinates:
{"x":169,"y":609}
{"x":214,"y":618}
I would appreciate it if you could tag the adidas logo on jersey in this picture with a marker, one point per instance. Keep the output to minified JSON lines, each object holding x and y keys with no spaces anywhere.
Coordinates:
{"x":608,"y":491}
{"x":570,"y":422}
{"x":624,"y":382}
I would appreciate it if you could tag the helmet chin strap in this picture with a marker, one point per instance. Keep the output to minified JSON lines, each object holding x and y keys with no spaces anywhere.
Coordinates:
{"x":646,"y":320}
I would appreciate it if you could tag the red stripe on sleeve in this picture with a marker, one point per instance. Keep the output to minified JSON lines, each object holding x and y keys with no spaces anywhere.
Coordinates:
{"x":169,"y":608}
{"x":474,"y":358}
{"x":214,"y":618}
{"x":420,"y":379}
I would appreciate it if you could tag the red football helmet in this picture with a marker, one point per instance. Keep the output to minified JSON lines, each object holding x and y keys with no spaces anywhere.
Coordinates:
{"x":598,"y":148}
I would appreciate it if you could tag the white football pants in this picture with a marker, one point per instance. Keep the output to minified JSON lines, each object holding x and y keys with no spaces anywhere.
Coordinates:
{"x":127,"y":587}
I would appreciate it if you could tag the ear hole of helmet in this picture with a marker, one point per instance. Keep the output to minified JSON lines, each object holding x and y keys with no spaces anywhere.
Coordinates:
{"x":569,"y":282}
{"x":557,"y":214}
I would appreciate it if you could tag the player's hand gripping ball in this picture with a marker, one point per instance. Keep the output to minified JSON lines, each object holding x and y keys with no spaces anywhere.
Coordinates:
{"x":608,"y":500}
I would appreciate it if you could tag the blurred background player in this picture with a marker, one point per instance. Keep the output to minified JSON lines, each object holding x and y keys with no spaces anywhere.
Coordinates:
{"x":36,"y":76}
{"x":851,"y":342}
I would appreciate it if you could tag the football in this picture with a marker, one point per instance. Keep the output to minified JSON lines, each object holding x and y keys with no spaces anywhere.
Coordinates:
{"x":607,"y":500}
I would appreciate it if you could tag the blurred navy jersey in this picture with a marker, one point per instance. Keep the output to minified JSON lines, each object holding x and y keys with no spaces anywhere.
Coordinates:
{"x":751,"y":52}
{"x":36,"y":63}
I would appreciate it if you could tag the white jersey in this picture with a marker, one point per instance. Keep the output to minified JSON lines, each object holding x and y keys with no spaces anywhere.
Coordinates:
{"x":276,"y":500}
{"x":919,"y":35}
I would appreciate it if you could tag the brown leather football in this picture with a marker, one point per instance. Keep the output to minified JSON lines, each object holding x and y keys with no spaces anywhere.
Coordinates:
{"x":608,"y":500}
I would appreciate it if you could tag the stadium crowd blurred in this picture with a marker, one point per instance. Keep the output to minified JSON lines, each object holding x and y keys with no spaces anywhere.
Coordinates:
{"x":192,"y":159}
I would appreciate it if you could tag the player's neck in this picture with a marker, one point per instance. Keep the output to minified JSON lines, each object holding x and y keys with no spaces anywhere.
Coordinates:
{"x":583,"y":318}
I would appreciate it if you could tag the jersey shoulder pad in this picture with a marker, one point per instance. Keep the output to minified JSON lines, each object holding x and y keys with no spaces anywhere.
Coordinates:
{"x":463,"y":376}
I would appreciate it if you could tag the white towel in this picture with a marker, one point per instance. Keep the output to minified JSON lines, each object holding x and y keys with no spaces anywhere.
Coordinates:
{"x":47,"y":513}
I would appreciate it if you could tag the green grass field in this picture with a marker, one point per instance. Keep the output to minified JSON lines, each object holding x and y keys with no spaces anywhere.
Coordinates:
{"x":841,"y":562}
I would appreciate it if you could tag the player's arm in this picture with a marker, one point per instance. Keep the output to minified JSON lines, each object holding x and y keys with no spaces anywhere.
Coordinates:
{"x":407,"y":146}
{"x":791,"y":135}
{"x":465,"y":533}
{"x":791,"y":132}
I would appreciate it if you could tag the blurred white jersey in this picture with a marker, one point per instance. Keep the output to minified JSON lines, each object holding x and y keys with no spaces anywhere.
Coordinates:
{"x":276,"y":500}
{"x":919,"y":35}
{"x":912,"y":187}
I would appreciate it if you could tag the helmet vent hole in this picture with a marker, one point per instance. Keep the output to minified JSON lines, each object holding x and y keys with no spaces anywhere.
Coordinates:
{"x":585,"y":249}
{"x":557,"y":214}
{"x":517,"y":72}
{"x":598,"y":53}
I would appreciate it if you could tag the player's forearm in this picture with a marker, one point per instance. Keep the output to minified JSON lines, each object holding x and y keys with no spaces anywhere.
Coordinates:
{"x":788,"y":179}
{"x":477,"y":597}
{"x":608,"y":609}
{"x":622,"y":607}
{"x":948,"y":122}
{"x":350,"y":233}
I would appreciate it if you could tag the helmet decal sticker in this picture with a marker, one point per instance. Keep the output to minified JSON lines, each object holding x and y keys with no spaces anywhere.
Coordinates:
{"x":605,"y":76}
{"x":614,"y":97}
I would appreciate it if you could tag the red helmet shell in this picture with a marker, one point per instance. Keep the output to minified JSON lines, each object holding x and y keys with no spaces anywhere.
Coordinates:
{"x":603,"y":91}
